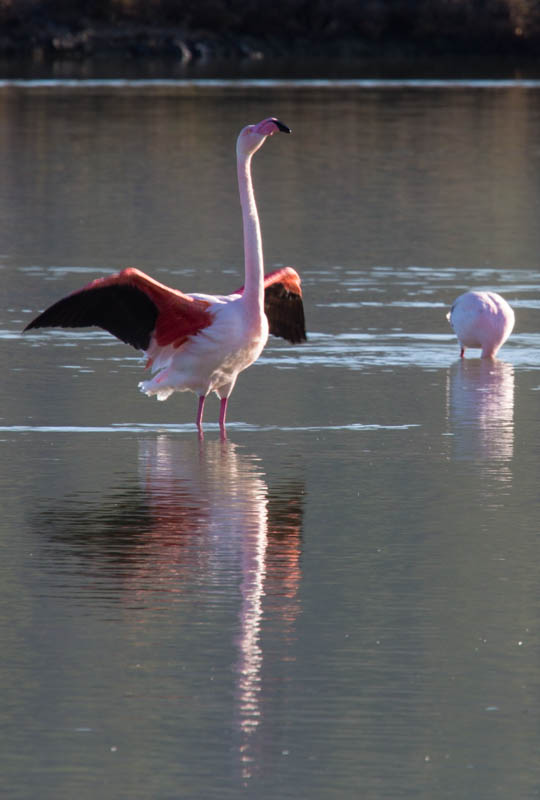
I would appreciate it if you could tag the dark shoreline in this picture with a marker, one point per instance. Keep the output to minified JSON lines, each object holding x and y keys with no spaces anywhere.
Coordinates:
{"x":54,"y":41}
{"x":49,"y":35}
{"x":144,"y":54}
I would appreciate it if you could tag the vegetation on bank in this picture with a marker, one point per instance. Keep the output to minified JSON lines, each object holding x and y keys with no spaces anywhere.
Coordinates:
{"x":189,"y":29}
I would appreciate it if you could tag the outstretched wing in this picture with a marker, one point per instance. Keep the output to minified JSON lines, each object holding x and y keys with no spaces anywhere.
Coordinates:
{"x":133,"y":307}
{"x":283,"y":305}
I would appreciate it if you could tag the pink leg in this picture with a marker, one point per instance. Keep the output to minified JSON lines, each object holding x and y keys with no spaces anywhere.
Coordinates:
{"x":462,"y":354}
{"x":202,"y":398}
{"x":222,"y":415}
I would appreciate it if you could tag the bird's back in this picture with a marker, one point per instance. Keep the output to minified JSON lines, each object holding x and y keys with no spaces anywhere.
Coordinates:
{"x":482,"y":319}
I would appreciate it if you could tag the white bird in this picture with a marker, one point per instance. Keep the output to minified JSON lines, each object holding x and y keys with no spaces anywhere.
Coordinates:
{"x":196,"y":342}
{"x":481,"y":319}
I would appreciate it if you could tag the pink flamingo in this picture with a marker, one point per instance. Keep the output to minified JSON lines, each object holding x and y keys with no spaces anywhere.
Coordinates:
{"x":481,"y":319}
{"x":196,"y":342}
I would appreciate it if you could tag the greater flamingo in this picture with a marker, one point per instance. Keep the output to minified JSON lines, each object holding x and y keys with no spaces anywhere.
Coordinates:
{"x":481,"y":319}
{"x":196,"y":342}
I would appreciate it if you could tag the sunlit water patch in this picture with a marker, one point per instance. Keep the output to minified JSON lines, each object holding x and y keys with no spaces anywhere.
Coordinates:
{"x":126,"y":427}
{"x":331,"y":84}
{"x":354,"y":350}
{"x":380,"y":304}
{"x":358,"y":351}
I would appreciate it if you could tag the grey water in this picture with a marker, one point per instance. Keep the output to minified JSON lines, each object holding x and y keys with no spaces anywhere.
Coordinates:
{"x":342,"y":599}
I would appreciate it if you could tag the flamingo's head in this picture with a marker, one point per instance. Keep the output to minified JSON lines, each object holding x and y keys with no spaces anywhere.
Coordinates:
{"x":252,"y":136}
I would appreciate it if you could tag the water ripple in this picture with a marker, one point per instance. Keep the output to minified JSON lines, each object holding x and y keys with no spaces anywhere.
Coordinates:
{"x":143,"y":427}
{"x":176,"y":84}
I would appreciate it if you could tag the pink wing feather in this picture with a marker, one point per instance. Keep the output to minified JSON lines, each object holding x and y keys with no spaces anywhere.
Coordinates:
{"x":288,"y":277}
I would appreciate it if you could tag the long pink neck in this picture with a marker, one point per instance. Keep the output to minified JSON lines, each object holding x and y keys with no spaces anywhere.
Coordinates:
{"x":253,"y":254}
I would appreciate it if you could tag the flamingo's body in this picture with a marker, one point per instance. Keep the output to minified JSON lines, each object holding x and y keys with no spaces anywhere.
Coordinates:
{"x":481,"y":319}
{"x":196,"y":342}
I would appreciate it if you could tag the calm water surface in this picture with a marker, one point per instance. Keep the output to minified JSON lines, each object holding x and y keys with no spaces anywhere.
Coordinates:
{"x":342,"y":600}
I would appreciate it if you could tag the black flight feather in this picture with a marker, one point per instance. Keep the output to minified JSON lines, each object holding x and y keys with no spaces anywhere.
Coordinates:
{"x":285,"y":312}
{"x":123,"y":310}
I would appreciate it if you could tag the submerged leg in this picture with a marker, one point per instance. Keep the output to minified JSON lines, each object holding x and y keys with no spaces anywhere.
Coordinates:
{"x":202,"y":398}
{"x":222,"y":415}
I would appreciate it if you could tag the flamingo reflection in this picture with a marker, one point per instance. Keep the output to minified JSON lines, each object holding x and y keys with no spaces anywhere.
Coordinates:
{"x":198,"y":522}
{"x":244,"y":524}
{"x":480,"y":408}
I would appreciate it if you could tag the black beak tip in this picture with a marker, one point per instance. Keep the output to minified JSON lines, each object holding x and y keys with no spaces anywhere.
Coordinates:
{"x":282,"y":127}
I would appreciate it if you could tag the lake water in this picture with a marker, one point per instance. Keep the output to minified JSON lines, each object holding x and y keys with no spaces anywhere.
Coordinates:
{"x":343,"y":599}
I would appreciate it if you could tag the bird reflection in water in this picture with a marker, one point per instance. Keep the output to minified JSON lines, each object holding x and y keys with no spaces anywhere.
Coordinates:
{"x":480,"y":406}
{"x":247,"y":527}
{"x":202,"y":519}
